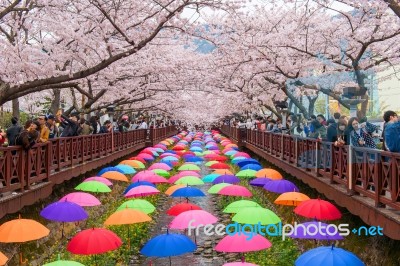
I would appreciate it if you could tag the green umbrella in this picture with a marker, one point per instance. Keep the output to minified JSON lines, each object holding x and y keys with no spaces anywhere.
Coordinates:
{"x":216,"y":188}
{"x":248,"y":173}
{"x":207,"y":152}
{"x":93,"y":186}
{"x":189,"y":167}
{"x":238,"y":205}
{"x":161,"y":172}
{"x":210,"y":178}
{"x":198,"y":153}
{"x":64,"y":263}
{"x":189,"y":180}
{"x":255,"y":215}
{"x":138,"y":204}
{"x":211,"y":163}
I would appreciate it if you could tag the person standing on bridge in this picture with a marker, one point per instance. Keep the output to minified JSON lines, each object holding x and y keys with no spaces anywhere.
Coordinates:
{"x":44,"y":130}
{"x":360,"y":134}
{"x":13,"y":131}
{"x":391,"y":132}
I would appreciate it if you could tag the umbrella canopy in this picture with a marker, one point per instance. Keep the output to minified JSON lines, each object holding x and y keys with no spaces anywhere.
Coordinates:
{"x":241,"y":154}
{"x":93,"y":186}
{"x":222,"y":172}
{"x":133,"y":163}
{"x":101,"y":179}
{"x":115,"y":176}
{"x":189,"y":180}
{"x":152,"y":178}
{"x":216,"y":188}
{"x":188,"y":192}
{"x":138,"y":183}
{"x":314,"y":230}
{"x":127,"y":216}
{"x":209,"y":163}
{"x":172,"y":189}
{"x":291,"y":198}
{"x":3,"y":259}
{"x":318,"y":209}
{"x":239,"y":264}
{"x":64,"y":263}
{"x":235,"y":190}
{"x":189,"y":167}
{"x":169,"y":159}
{"x":94,"y":241}
{"x":81,"y":198}
{"x":210,"y":178}
{"x":251,"y":166}
{"x":141,"y":191}
{"x":146,"y":157}
{"x":138,"y":204}
{"x":126,"y":169}
{"x":246,"y":173}
{"x":219,"y":166}
{"x":137,"y":159}
{"x":22,"y":230}
{"x":162,"y":166}
{"x":242,"y":163}
{"x":280,"y":186}
{"x":260,"y":181}
{"x":161,"y":172}
{"x":231,"y":179}
{"x":107,"y":169}
{"x":328,"y":256}
{"x":241,"y":243}
{"x":192,"y":218}
{"x":168,"y":245}
{"x":64,"y":211}
{"x":269,"y":173}
{"x":182,"y":207}
{"x":238,"y":205}
{"x":255,"y":215}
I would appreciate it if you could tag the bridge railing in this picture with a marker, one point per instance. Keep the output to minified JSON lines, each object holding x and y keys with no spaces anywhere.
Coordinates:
{"x":370,"y":172}
{"x":159,"y":134}
{"x":19,"y":169}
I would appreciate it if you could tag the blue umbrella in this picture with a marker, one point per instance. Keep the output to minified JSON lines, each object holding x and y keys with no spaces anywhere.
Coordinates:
{"x":108,"y":169}
{"x":169,"y":159}
{"x":187,"y":192}
{"x":126,"y":169}
{"x":170,"y":151}
{"x":247,"y":161}
{"x":139,"y":183}
{"x":328,"y":256}
{"x":251,"y":166}
{"x":194,"y":159}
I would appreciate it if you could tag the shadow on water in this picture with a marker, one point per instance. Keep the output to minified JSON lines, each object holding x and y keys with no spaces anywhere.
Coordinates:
{"x":373,"y":250}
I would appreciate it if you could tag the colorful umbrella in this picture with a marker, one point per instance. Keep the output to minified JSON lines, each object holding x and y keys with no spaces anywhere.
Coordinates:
{"x":235,"y":190}
{"x":255,"y":215}
{"x":138,"y":183}
{"x":291,"y":198}
{"x":209,"y":163}
{"x":172,"y":189}
{"x":64,"y":211}
{"x":182,"y":207}
{"x":241,"y":243}
{"x":328,"y":256}
{"x":192,"y":218}
{"x":318,"y":209}
{"x":141,"y":191}
{"x":161,"y":172}
{"x":162,"y":166}
{"x":3,"y":259}
{"x":114,"y":175}
{"x":251,"y":166}
{"x":280,"y":186}
{"x":222,"y":172}
{"x":133,"y":163}
{"x":93,"y":186}
{"x":210,"y":178}
{"x":269,"y":173}
{"x":246,"y":173}
{"x":137,"y":159}
{"x":187,"y":192}
{"x":231,"y":179}
{"x":127,"y":216}
{"x":216,"y":188}
{"x":94,"y":241}
{"x":168,"y":245}
{"x":107,"y":169}
{"x":126,"y":169}
{"x":219,"y":166}
{"x":63,"y":263}
{"x":189,"y":167}
{"x":238,"y":205}
{"x":239,"y":264}
{"x":189,"y":180}
{"x":260,"y":181}
{"x":242,"y":163}
{"x":101,"y":179}
{"x":138,"y":204}
{"x":81,"y":198}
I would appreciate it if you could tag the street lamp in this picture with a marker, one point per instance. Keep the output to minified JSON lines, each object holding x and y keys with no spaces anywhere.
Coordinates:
{"x":110,"y":111}
{"x":351,"y":96}
{"x":282,"y":108}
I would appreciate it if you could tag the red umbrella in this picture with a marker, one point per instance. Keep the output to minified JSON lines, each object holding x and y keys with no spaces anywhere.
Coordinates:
{"x":219,"y":166}
{"x":318,"y":209}
{"x":188,"y":153}
{"x":220,"y":158}
{"x":178,"y":148}
{"x":182,"y":207}
{"x":138,"y":159}
{"x":94,"y":241}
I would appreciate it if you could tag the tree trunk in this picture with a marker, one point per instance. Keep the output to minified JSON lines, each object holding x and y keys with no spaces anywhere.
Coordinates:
{"x":15,"y":108}
{"x":295,"y":101}
{"x":311,"y":104}
{"x":55,"y":103}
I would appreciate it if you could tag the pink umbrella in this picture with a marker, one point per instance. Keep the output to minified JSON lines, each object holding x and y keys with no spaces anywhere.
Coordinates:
{"x":162,"y":166}
{"x":100,"y":179}
{"x":242,"y":243}
{"x":192,"y":218}
{"x":235,"y":190}
{"x":241,"y":154}
{"x":153,"y":178}
{"x":145,"y":156}
{"x":160,"y":146}
{"x":176,"y":177}
{"x":141,"y":191}
{"x":240,"y":264}
{"x":169,"y":154}
{"x":82,"y":199}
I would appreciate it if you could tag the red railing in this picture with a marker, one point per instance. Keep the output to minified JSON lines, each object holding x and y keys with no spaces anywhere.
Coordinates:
{"x":374,"y":173}
{"x":159,"y":134}
{"x":19,"y":168}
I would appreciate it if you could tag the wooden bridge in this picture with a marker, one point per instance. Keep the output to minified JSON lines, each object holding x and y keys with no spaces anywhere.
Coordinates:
{"x":365,"y":181}
{"x":28,"y":176}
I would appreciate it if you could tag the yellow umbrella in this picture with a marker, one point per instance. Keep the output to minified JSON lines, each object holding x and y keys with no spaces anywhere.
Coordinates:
{"x":134,"y":163}
{"x":114,"y":175}
{"x":223,"y":172}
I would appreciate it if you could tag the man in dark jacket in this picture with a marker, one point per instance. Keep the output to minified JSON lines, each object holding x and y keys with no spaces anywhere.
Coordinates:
{"x":70,"y":126}
{"x":13,"y":131}
{"x":391,"y":131}
{"x":332,"y":132}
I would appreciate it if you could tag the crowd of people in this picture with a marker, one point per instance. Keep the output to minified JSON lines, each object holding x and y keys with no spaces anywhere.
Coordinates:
{"x":339,"y":129}
{"x":45,"y":127}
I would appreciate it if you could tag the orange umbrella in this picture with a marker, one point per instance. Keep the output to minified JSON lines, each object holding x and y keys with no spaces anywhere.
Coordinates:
{"x":172,"y":189}
{"x":114,"y":175}
{"x":222,"y":172}
{"x":134,"y":163}
{"x":22,"y":230}
{"x":3,"y":259}
{"x":269,"y":173}
{"x":291,"y":198}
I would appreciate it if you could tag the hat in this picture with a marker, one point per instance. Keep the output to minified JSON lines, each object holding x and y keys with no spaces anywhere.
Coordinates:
{"x":51,"y":117}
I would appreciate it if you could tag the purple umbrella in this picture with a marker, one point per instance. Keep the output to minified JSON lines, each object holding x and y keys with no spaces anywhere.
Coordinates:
{"x":260,"y":181}
{"x":231,"y":179}
{"x":280,"y":186}
{"x":316,"y":230}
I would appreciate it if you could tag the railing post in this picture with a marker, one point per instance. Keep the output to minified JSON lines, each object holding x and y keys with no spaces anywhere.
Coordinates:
{"x":49,"y":148}
{"x":317,"y":158}
{"x":350,"y":170}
